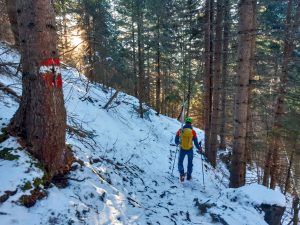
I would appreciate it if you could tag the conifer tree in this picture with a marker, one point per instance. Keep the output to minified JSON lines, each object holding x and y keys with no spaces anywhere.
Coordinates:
{"x":246,"y":23}
{"x":41,"y":117}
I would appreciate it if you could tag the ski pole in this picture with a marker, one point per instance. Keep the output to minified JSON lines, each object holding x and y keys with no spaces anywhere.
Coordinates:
{"x":174,"y":160}
{"x":201,"y":155}
{"x":202,"y":172}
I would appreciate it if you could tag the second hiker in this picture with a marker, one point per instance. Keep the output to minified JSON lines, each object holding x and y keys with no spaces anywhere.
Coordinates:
{"x":185,"y":137}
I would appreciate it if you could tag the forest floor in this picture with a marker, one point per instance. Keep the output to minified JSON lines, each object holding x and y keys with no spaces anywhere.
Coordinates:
{"x":122,"y":173}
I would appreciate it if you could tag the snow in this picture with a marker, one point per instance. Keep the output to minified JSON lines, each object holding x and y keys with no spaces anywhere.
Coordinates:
{"x":257,"y":195}
{"x":14,"y":171}
{"x":126,"y":173}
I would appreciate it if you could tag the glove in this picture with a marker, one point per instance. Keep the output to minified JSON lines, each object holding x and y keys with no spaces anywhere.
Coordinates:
{"x":199,"y":151}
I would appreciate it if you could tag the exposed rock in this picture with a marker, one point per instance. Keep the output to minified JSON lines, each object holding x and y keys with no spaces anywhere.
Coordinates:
{"x":273,"y":213}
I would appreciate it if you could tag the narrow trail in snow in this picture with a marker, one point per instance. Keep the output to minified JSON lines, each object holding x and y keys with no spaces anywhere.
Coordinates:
{"x":163,"y":197}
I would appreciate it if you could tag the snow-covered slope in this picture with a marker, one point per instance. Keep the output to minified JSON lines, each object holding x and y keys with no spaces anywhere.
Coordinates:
{"x":123,"y":173}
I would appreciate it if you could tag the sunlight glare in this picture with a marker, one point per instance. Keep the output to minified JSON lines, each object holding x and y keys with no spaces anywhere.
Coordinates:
{"x":76,"y":40}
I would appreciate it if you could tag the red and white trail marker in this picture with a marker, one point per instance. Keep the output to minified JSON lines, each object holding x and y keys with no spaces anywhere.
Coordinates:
{"x":50,"y":70}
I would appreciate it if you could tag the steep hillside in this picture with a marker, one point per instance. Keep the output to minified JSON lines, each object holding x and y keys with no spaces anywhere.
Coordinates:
{"x":123,"y":169}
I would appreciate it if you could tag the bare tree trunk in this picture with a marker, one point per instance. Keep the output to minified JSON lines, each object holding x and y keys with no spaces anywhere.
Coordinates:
{"x":224,"y":73}
{"x":212,"y":156}
{"x":189,"y":94}
{"x":158,"y":76}
{"x":207,"y":72}
{"x":147,"y":95}
{"x":267,"y":168}
{"x":189,"y":87}
{"x":133,"y":52}
{"x":140,"y":30}
{"x":249,"y":134}
{"x":188,"y":64}
{"x":238,"y":163}
{"x":165,"y":105}
{"x":189,"y":61}
{"x":41,"y":117}
{"x":288,"y":176}
{"x":91,"y":50}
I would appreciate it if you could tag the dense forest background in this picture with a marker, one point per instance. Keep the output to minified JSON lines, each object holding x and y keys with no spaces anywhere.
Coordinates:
{"x":158,"y":50}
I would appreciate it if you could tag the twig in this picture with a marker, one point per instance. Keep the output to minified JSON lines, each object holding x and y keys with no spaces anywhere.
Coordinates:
{"x":8,"y":64}
{"x":10,"y":91}
{"x":74,"y":179}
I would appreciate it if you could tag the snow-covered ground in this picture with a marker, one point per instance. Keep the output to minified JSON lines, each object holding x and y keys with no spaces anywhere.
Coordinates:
{"x":126,"y":176}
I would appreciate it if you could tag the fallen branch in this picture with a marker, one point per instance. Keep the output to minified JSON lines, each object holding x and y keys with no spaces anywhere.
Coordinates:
{"x":111,"y":99}
{"x":10,"y":91}
{"x":8,"y":64}
{"x":76,"y":131}
{"x":134,"y":203}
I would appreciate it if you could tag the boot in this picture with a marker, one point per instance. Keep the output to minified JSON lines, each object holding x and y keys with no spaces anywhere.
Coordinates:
{"x":181,"y":178}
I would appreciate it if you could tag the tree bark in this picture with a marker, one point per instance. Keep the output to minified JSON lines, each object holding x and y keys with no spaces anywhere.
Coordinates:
{"x":41,"y":117}
{"x":267,"y":168}
{"x":189,"y":60}
{"x":212,"y":156}
{"x":90,"y":49}
{"x":289,"y":171}
{"x":158,"y":75}
{"x":147,"y":93}
{"x":140,"y":31}
{"x":224,"y":73}
{"x":238,"y":163}
{"x":207,"y":72}
{"x":133,"y":51}
{"x":249,"y":134}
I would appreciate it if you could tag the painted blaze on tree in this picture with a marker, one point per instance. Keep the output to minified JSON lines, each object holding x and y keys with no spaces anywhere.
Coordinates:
{"x":41,"y":117}
{"x":50,"y":70}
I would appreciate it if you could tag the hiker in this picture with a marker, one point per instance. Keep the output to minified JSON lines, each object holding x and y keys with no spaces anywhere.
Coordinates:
{"x":185,"y":137}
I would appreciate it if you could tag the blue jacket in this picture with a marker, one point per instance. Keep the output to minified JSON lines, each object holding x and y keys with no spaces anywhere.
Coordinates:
{"x":195,"y":139}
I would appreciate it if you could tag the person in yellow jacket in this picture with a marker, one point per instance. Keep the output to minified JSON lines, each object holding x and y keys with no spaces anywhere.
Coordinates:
{"x":185,"y":137}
